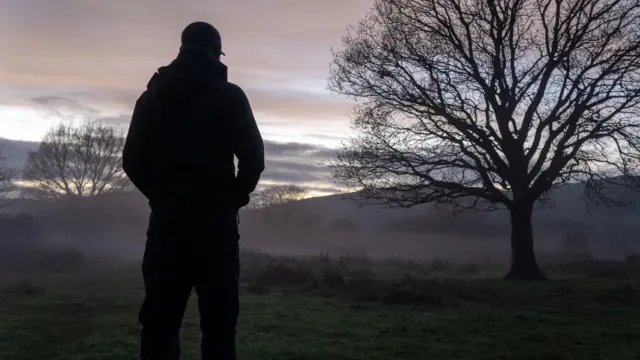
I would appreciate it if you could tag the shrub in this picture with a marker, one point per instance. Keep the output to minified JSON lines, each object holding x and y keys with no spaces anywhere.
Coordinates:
{"x":469,"y":269}
{"x":610,"y":274}
{"x":282,"y":273}
{"x":23,"y":287}
{"x":633,"y":259}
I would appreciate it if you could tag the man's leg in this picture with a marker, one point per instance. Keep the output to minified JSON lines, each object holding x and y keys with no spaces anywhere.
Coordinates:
{"x":167,"y":282}
{"x":217,"y":289}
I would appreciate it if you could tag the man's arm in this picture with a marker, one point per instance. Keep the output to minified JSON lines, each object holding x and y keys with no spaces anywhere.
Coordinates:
{"x":248,"y":148}
{"x":134,"y":160}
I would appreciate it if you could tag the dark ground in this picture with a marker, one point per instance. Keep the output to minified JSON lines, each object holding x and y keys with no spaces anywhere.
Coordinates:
{"x":349,"y":309}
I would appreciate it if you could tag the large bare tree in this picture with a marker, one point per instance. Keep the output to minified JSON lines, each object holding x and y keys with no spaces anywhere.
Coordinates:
{"x":77,"y":160}
{"x":7,"y":177}
{"x":480,"y":102}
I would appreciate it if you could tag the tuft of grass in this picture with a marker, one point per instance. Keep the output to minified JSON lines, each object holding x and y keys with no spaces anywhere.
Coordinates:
{"x":24,"y":287}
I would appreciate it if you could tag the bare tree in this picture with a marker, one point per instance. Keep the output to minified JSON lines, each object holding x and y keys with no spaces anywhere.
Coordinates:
{"x":275,"y":195}
{"x":490,"y":102}
{"x":7,"y":177}
{"x":77,"y":160}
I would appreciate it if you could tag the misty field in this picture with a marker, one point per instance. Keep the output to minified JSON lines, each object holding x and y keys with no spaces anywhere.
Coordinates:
{"x":320,"y":308}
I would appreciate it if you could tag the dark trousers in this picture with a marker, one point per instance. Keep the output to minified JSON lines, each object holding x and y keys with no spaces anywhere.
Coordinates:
{"x":190,"y":249}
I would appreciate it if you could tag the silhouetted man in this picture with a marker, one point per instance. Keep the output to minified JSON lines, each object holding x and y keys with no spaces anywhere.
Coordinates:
{"x":179,"y":152}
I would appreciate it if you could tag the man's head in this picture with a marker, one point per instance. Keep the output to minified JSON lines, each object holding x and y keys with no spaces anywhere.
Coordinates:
{"x":203,"y":36}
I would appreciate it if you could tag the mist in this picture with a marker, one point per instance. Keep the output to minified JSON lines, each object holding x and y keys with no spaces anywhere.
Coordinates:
{"x":111,"y":227}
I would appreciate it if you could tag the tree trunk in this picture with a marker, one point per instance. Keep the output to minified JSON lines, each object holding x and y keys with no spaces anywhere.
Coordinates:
{"x":524,"y":266}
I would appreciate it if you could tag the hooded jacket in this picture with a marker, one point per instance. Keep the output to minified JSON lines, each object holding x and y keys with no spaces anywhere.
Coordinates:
{"x":185,"y":130}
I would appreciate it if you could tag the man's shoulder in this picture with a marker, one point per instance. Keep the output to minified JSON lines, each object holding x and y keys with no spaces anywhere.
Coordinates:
{"x":143,"y":96}
{"x":229,"y":94}
{"x":232,"y":90}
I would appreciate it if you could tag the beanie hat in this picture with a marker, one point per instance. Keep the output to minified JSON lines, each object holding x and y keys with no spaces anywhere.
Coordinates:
{"x":202,"y":35}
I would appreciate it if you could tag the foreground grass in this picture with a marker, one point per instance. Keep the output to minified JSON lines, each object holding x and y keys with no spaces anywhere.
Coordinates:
{"x":93,"y":316}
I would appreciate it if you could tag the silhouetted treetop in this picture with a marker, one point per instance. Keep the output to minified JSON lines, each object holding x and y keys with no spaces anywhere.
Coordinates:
{"x":77,"y":160}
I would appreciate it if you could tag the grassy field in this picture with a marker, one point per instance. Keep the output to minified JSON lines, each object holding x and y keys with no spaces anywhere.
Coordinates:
{"x":324,"y":309}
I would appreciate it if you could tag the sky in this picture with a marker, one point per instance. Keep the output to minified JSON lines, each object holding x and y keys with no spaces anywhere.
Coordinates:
{"x":90,"y":59}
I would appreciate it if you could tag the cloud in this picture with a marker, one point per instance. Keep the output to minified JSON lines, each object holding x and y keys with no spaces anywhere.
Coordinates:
{"x":287,"y":163}
{"x":59,"y":100}
{"x":298,"y":105}
{"x":296,"y":163}
{"x":100,"y":54}
{"x":299,"y":150}
{"x":64,"y":106}
{"x":121,"y":121}
{"x":279,"y":175}
{"x":286,"y":106}
{"x":294,"y":172}
{"x":284,"y":165}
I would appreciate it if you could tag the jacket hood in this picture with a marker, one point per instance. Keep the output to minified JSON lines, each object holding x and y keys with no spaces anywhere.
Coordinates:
{"x":190,"y":73}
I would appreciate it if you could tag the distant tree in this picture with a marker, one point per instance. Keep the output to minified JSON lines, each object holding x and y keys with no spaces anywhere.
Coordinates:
{"x":275,"y":195}
{"x":483,"y":104}
{"x":77,"y":160}
{"x":7,"y":177}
